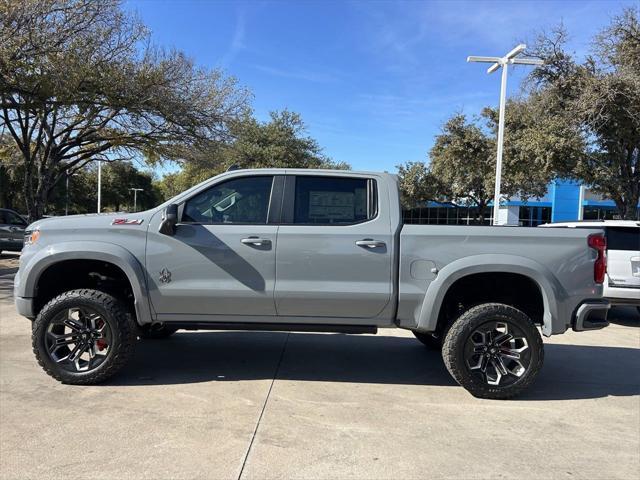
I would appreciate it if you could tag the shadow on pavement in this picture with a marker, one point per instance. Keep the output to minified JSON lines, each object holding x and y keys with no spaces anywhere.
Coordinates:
{"x":570,"y":371}
{"x":625,"y":316}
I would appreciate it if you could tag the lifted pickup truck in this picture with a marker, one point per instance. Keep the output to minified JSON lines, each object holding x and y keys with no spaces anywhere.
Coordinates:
{"x":305,"y":250}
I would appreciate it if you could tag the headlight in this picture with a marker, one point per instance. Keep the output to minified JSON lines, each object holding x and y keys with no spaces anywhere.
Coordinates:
{"x":31,"y":236}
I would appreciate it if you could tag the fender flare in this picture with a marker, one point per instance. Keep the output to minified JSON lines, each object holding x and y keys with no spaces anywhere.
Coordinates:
{"x":90,"y":250}
{"x":550,"y":288}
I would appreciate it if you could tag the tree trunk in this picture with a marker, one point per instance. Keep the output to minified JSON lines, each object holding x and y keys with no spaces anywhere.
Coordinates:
{"x":628,"y":210}
{"x":482,"y":209}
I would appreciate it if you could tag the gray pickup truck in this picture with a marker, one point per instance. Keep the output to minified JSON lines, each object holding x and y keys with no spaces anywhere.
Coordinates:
{"x":305,"y":250}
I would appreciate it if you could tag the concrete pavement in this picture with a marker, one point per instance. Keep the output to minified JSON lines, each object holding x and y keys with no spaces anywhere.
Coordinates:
{"x":276,"y":405}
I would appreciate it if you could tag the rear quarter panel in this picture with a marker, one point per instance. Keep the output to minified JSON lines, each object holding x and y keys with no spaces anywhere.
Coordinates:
{"x":433,"y":257}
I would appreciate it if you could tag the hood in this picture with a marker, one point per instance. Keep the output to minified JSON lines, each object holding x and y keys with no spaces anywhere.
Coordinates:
{"x":91,"y":220}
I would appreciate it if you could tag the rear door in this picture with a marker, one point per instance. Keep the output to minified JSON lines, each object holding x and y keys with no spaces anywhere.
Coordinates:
{"x":335,"y":249}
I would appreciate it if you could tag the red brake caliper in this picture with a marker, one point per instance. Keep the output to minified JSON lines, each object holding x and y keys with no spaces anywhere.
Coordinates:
{"x":101,"y":343}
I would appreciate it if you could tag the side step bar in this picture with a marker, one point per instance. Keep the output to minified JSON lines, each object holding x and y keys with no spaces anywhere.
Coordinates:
{"x":275,"y":327}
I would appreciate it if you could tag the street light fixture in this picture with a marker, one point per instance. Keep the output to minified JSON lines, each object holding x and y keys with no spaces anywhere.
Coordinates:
{"x":135,"y":197}
{"x":99,"y":185}
{"x":509,"y":58}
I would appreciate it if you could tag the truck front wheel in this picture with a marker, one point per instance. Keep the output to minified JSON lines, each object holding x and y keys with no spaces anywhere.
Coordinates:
{"x":493,"y":351}
{"x":83,"y":337}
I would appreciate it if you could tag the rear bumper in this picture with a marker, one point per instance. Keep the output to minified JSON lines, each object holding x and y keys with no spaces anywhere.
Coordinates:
{"x":624,"y":301}
{"x":591,"y":315}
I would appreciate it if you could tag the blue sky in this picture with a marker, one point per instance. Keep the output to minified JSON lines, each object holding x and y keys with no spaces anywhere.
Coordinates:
{"x":373,"y":80}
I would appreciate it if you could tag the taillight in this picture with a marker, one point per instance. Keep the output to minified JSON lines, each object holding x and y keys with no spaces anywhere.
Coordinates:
{"x":598,"y":242}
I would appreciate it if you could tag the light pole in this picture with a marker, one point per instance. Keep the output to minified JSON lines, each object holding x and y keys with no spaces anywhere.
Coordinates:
{"x":509,"y":58}
{"x":135,"y":197}
{"x":99,"y":184}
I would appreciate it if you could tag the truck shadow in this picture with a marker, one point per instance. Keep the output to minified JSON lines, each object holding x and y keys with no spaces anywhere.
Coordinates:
{"x":570,"y":371}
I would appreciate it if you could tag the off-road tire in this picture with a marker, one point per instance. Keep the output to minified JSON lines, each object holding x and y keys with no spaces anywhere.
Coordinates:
{"x":121,"y":323}
{"x":155,"y":332}
{"x":429,"y":340}
{"x":465,"y":325}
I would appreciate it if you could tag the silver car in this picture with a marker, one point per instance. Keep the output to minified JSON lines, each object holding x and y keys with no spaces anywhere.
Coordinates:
{"x":12,"y":227}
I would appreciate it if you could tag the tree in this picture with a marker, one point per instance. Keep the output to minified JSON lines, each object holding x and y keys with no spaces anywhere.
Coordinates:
{"x":601,"y":99}
{"x":79,"y":81}
{"x":538,"y":147}
{"x":10,"y":175}
{"x":117,"y":180}
{"x":419,"y":185}
{"x":463,"y":159}
{"x":281,"y":142}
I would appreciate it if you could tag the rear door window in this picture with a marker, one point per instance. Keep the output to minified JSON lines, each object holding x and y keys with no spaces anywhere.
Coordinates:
{"x":622,"y":238}
{"x":333,"y":200}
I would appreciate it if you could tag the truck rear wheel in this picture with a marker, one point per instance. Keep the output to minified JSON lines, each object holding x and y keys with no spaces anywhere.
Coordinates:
{"x":493,"y":351}
{"x":83,"y":337}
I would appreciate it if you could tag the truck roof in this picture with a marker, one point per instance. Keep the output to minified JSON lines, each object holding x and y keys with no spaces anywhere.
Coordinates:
{"x":311,"y":171}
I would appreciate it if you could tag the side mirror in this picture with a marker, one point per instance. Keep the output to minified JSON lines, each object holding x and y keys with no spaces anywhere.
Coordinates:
{"x":169,"y":220}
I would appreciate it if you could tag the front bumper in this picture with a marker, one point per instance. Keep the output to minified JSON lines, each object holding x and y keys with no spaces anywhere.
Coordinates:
{"x":591,"y":315}
{"x":24,"y":306}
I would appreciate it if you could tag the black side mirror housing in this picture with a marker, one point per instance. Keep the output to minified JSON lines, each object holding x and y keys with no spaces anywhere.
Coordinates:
{"x":169,"y":220}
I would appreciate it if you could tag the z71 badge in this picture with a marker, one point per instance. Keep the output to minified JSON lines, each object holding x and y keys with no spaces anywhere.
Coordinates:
{"x":127,"y":221}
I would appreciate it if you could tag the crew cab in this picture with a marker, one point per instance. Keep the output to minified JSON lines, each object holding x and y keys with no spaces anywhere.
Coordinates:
{"x":305,"y":250}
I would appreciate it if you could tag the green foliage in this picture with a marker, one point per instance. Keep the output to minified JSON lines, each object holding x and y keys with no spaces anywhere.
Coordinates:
{"x":281,"y":142}
{"x":599,"y":98}
{"x":419,"y":185}
{"x":79,"y":81}
{"x":579,"y":120}
{"x":117,"y":180}
{"x":463,"y":159}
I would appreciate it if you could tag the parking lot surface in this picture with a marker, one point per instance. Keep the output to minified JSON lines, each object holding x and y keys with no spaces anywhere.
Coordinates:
{"x":277,"y":405}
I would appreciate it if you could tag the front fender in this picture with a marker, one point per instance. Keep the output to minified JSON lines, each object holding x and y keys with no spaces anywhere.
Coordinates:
{"x":552,"y":291}
{"x":88,"y":250}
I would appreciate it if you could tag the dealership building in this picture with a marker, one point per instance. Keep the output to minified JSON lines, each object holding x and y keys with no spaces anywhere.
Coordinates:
{"x":564,"y":201}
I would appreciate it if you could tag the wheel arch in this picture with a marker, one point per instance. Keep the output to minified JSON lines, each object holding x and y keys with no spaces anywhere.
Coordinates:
{"x":108,"y":253}
{"x":550,"y":289}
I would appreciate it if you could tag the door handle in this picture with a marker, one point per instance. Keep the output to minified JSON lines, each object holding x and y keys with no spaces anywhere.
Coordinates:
{"x":258,"y":242}
{"x":370,"y":243}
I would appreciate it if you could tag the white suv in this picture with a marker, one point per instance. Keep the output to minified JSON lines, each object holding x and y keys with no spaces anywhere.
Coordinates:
{"x":622,"y":283}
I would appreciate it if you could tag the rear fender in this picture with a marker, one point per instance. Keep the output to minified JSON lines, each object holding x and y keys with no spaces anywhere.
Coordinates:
{"x":552,"y":291}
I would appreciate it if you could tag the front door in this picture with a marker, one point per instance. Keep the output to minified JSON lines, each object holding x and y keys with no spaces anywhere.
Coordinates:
{"x":221,"y":260}
{"x":334,"y":256}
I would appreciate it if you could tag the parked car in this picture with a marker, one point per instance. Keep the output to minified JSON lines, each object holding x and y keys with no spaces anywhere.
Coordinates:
{"x":12,"y":227}
{"x":622,"y":281}
{"x":305,"y":250}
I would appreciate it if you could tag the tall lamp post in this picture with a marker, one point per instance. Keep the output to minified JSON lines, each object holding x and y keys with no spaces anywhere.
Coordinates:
{"x":135,"y":197}
{"x":99,"y":185}
{"x":509,"y":58}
